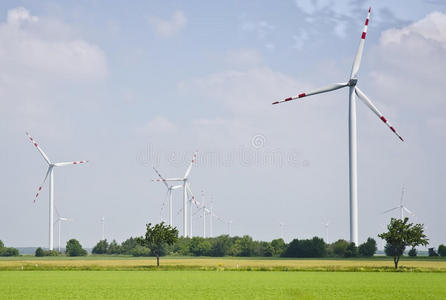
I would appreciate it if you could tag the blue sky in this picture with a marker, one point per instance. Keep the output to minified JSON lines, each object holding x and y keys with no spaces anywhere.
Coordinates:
{"x":130,"y":86}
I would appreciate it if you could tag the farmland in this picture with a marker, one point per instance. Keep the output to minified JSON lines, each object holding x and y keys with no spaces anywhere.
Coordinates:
{"x":225,"y":263}
{"x":219,"y":285}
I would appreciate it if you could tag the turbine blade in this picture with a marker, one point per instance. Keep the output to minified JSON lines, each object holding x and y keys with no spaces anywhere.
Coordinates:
{"x":194,"y":158}
{"x":369,"y":103}
{"x":69,"y":163}
{"x":175,"y":187}
{"x":325,"y":89}
{"x":389,"y":210}
{"x":162,"y":178}
{"x":189,"y":191}
{"x":168,"y":179}
{"x":43,"y":182}
{"x":407,"y":210}
{"x":357,"y":61}
{"x":38,"y":148}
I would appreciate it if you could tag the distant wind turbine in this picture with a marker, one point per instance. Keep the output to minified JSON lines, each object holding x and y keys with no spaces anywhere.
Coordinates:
{"x":50,"y":173}
{"x":353,"y":92}
{"x":401,"y":207}
{"x":170,"y":188}
{"x":103,"y":228}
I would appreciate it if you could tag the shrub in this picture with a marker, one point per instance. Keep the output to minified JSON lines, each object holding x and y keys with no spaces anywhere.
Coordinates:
{"x":10,"y":252}
{"x":442,"y":250}
{"x":413,"y":252}
{"x":338,"y":248}
{"x":351,"y":251}
{"x":141,"y":251}
{"x":74,"y":248}
{"x":101,"y":247}
{"x":368,"y":248}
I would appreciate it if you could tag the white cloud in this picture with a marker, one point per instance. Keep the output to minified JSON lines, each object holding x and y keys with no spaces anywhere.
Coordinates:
{"x":28,"y":51}
{"x":261,"y":28}
{"x":243,"y":57}
{"x":158,"y":126}
{"x":168,"y":28}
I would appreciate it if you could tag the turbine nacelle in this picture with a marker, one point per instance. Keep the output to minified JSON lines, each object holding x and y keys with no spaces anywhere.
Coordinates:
{"x":352,"y":82}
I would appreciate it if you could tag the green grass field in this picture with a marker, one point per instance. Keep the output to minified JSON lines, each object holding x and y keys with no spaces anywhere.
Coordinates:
{"x":219,"y":285}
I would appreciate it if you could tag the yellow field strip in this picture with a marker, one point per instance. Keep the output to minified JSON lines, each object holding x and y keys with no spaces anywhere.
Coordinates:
{"x":229,"y":263}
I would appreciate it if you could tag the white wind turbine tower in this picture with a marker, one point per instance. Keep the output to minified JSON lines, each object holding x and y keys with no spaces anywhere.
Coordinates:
{"x":230,"y":227}
{"x":401,"y":207}
{"x":186,"y":188}
{"x":103,"y":228}
{"x":59,"y":220}
{"x":281,"y":224}
{"x":353,"y":92}
{"x":326,"y":230}
{"x":170,"y":188}
{"x":50,"y":173}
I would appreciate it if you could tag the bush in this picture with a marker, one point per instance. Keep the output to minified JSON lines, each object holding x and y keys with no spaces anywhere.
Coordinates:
{"x":199,"y":246}
{"x":413,"y":252}
{"x":338,"y":248}
{"x":368,"y":248}
{"x":141,"y":251}
{"x":390,"y":250}
{"x":40,"y":252}
{"x":432,"y":252}
{"x":10,"y":252}
{"x":74,"y":248}
{"x":101,"y":247}
{"x":442,"y":250}
{"x":278,"y":246}
{"x":306,"y":248}
{"x":351,"y":251}
{"x":114,"y":248}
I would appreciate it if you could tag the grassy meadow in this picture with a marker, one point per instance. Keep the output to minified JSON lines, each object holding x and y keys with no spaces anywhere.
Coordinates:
{"x":220,"y":285}
{"x":118,"y":277}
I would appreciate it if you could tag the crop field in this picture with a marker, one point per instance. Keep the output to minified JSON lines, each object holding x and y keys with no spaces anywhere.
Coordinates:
{"x":227,"y":263}
{"x":220,"y":285}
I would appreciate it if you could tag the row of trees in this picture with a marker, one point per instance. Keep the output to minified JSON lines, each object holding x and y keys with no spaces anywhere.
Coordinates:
{"x":225,"y":245}
{"x":8,"y":251}
{"x":73,"y":248}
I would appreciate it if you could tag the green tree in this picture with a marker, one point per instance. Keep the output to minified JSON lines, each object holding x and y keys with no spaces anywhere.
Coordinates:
{"x":200,"y":246}
{"x":140,"y":251}
{"x":74,"y":248}
{"x":39,"y":252}
{"x":367,"y":248}
{"x":246,"y":246}
{"x":401,"y":234}
{"x":413,"y":252}
{"x":128,"y":245}
{"x":278,"y":246}
{"x":338,"y":248}
{"x":2,"y":245}
{"x":221,"y":245}
{"x":351,"y":251}
{"x":314,"y":247}
{"x":101,"y":247}
{"x":442,"y":250}
{"x":157,"y":236}
{"x":114,"y":248}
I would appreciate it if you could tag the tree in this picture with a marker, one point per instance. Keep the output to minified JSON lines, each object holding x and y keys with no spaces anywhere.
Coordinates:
{"x":101,"y":247}
{"x":128,"y":245}
{"x":278,"y":246}
{"x":114,"y":248}
{"x":39,"y":252}
{"x":157,"y":236}
{"x":338,"y":248}
{"x":351,"y":251}
{"x":200,"y":246}
{"x":306,"y":248}
{"x":431,"y":252}
{"x":9,"y":251}
{"x":413,"y":252}
{"x":74,"y":248}
{"x":401,"y":234}
{"x":368,"y":248}
{"x":221,"y":245}
{"x":442,"y":250}
{"x":140,"y":251}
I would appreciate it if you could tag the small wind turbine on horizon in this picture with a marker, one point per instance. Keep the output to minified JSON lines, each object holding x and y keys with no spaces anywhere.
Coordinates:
{"x":50,"y":173}
{"x":59,"y":220}
{"x":186,"y":189}
{"x":326,"y":230}
{"x":354,"y":92}
{"x":103,"y":228}
{"x":170,"y":188}
{"x":401,"y":207}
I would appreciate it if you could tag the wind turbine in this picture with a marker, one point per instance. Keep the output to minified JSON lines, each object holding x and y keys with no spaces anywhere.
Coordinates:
{"x":353,"y":92}
{"x":401,"y":207}
{"x":186,"y":187}
{"x":59,"y":220}
{"x":170,"y":188}
{"x":50,"y":173}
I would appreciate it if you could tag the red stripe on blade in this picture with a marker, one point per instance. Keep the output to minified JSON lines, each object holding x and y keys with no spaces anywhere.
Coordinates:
{"x":393,"y":129}
{"x":288,"y":99}
{"x":301,"y":95}
{"x":363,"y":36}
{"x":370,"y":9}
{"x":383,"y":119}
{"x":277,"y":102}
{"x":366,"y":22}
